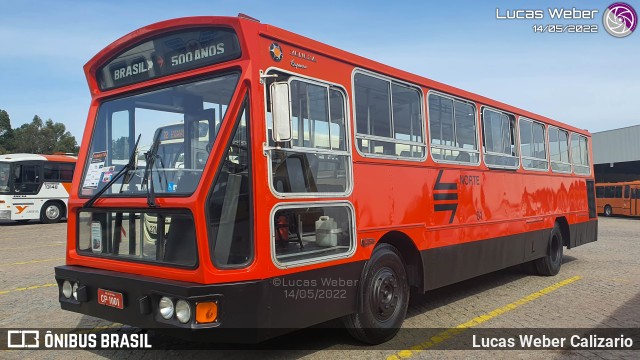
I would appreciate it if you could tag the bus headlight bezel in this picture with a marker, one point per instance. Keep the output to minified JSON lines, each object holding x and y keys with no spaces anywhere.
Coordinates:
{"x":67,"y":289}
{"x":183,"y":311}
{"x":166,"y":307}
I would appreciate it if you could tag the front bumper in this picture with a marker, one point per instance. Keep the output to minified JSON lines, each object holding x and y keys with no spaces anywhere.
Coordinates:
{"x":237,"y":308}
{"x":248,"y":312}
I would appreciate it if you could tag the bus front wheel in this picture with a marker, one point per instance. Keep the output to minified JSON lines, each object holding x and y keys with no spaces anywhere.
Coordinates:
{"x":607,"y":210}
{"x":51,"y":212}
{"x":383,"y":298}
{"x":550,"y":264}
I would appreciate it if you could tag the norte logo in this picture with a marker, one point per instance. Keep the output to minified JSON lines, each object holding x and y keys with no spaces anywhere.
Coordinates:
{"x":620,"y":19}
{"x":276,"y":52}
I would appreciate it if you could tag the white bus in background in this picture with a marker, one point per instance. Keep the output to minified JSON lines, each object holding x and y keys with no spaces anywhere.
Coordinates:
{"x":35,"y":187}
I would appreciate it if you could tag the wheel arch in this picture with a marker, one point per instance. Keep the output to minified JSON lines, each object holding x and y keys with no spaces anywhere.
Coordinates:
{"x":410,"y":256}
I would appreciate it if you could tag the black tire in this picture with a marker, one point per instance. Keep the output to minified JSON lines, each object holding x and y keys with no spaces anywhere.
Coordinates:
{"x":608,"y":211}
{"x":51,"y":212}
{"x":551,"y":263}
{"x":384,"y":297}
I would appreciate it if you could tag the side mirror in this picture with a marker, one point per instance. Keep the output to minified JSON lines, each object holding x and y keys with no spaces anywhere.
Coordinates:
{"x":280,"y":110}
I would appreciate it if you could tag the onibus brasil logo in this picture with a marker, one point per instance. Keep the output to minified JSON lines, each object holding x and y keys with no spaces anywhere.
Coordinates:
{"x":620,"y":19}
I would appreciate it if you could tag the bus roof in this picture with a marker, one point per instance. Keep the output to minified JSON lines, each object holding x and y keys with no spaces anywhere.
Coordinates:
{"x":37,"y":157}
{"x":368,"y":64}
{"x":248,"y":26}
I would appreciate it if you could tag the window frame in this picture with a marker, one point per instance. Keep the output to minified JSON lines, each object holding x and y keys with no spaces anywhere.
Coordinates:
{"x":357,"y":136}
{"x":315,"y":260}
{"x":516,"y":143}
{"x":267,"y":148}
{"x":39,"y":173}
{"x":589,"y":161}
{"x":559,"y":129}
{"x":144,"y":91}
{"x":246,"y":104}
{"x":328,"y":87}
{"x":475,"y":117}
{"x":58,"y":166}
{"x":545,"y":141}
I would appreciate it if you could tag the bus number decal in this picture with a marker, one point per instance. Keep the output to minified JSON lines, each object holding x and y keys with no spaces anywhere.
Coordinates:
{"x":51,"y":186}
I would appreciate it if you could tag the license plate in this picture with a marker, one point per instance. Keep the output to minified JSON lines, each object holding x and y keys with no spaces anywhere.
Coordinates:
{"x":110,"y":298}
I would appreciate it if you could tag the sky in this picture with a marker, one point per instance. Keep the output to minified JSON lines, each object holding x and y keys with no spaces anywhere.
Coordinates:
{"x":591,"y":81}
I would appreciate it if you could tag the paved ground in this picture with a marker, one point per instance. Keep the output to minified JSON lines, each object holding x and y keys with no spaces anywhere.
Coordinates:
{"x":598,"y":286}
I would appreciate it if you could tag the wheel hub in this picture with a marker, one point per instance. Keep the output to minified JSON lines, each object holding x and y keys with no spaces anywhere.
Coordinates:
{"x":52,"y":212}
{"x":385,"y":294}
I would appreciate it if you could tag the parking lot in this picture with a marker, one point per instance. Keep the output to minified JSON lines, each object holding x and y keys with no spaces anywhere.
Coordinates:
{"x":598,"y":286}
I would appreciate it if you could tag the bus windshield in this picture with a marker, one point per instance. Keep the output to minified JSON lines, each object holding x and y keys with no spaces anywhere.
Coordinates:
{"x":5,"y":171}
{"x":187,"y":117}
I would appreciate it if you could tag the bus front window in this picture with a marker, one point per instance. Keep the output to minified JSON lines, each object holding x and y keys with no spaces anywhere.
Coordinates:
{"x":5,"y":172}
{"x":186,"y":119}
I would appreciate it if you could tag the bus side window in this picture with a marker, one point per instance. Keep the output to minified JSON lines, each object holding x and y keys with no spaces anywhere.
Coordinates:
{"x":627,"y":191}
{"x":600,"y":192}
{"x":66,"y":172}
{"x":618,"y":192}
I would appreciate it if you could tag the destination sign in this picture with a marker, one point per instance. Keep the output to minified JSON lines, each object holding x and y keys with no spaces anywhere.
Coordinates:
{"x":169,"y":54}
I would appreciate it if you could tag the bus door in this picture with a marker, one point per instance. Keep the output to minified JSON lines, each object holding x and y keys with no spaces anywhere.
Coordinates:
{"x":27,"y":178}
{"x":627,"y":208}
{"x":635,"y":201}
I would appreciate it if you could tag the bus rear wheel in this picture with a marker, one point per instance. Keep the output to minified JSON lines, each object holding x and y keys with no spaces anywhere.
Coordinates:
{"x":51,"y":212}
{"x":550,"y":264}
{"x":383,"y":298}
{"x":608,"y":211}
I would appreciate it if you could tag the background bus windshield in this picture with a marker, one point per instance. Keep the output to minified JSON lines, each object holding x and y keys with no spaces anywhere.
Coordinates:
{"x":187,"y":118}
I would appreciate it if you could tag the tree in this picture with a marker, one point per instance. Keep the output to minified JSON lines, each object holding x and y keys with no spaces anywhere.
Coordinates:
{"x":6,"y":133}
{"x":40,"y":137}
{"x":5,"y":122}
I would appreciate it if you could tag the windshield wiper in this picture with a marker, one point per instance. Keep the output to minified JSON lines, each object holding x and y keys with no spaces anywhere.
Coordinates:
{"x":150,"y":159}
{"x":130,"y":166}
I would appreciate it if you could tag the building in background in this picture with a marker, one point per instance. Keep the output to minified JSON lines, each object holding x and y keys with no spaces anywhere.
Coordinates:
{"x":616,"y":154}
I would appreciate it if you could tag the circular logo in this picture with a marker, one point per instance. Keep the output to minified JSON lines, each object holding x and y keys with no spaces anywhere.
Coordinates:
{"x":620,"y":19}
{"x":276,"y":52}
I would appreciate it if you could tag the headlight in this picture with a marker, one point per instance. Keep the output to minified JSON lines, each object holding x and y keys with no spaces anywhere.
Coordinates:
{"x":74,"y":290}
{"x":166,"y":307}
{"x":66,"y":289}
{"x":183,"y":311}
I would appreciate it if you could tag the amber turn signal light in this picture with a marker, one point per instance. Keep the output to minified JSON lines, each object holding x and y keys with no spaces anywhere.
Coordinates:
{"x":206,"y":312}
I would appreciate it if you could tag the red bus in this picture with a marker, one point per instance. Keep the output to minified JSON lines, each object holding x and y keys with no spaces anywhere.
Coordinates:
{"x":621,"y":198}
{"x":329,"y":186}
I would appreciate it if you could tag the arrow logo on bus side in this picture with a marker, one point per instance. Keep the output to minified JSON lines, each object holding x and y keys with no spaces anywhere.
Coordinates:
{"x":445,"y":194}
{"x":21,"y":209}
